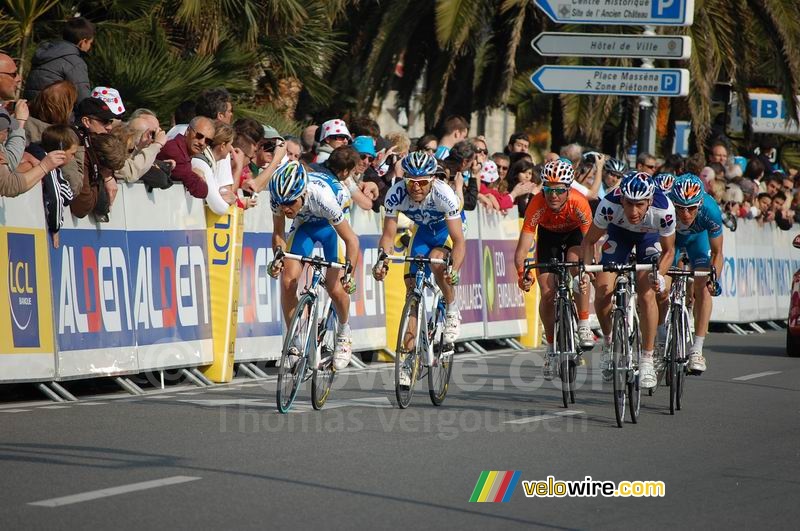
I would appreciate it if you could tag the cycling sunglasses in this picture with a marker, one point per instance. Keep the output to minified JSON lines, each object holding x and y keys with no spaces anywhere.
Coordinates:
{"x":687,"y":208}
{"x":552,"y":190}
{"x":419,"y":183}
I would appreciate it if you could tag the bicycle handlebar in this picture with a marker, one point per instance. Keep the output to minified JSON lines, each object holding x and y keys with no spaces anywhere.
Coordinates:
{"x":312,"y":260}
{"x":417,"y":259}
{"x":618,"y":268}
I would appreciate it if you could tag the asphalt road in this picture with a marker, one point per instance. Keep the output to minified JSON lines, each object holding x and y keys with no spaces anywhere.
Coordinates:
{"x":223,"y":457}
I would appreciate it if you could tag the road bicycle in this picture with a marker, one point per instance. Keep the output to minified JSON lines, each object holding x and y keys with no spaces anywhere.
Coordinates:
{"x":678,"y":338}
{"x":626,"y":340}
{"x":421,"y":348}
{"x":312,"y":335}
{"x":567,"y":347}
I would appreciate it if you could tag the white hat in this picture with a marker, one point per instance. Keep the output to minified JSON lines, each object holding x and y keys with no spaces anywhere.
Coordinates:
{"x":489,"y":172}
{"x":111,"y":97}
{"x":333,"y":128}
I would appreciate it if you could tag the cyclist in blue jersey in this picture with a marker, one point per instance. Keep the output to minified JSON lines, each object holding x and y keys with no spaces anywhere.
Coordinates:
{"x":436,"y":211}
{"x":639,"y":218}
{"x":699,"y":234}
{"x":317,"y":204}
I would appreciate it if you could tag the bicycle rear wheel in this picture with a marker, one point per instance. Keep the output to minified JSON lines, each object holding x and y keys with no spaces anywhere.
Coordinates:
{"x":324,"y":373}
{"x":619,"y":362}
{"x":681,"y":373}
{"x":675,"y":353}
{"x":634,"y":389}
{"x":407,"y":355}
{"x":439,"y":373}
{"x":290,"y":370}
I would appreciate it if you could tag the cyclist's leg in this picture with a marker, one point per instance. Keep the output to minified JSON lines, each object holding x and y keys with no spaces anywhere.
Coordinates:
{"x":700,"y":257}
{"x":648,"y":250}
{"x":326,"y":235}
{"x":299,"y":242}
{"x":548,"y":247}
{"x":417,"y":246}
{"x":572,"y":240}
{"x":441,"y":245}
{"x":616,"y":249}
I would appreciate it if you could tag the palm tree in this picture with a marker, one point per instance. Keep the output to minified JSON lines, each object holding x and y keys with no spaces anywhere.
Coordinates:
{"x":17,"y":24}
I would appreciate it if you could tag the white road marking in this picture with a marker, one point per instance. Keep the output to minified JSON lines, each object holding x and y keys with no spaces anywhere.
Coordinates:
{"x":55,"y":407}
{"x":248,"y":402}
{"x":755,"y":375}
{"x":91,"y":403}
{"x":113,"y":491}
{"x":14,"y":410}
{"x":160,"y":397}
{"x":548,"y":416}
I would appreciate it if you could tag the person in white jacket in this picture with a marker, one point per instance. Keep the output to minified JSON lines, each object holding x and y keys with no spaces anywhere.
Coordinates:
{"x":214,"y":166}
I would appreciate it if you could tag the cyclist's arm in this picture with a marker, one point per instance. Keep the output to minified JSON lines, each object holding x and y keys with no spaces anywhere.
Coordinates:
{"x":667,"y":253}
{"x":279,"y":232}
{"x":523,"y":246}
{"x":716,"y":253}
{"x":592,"y":236}
{"x":454,"y":227}
{"x":389,"y":232}
{"x":345,"y":232}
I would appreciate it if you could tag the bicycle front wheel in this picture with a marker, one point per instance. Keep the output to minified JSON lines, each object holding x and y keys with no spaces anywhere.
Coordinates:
{"x":407,"y":355}
{"x":324,"y":373}
{"x":564,"y":337}
{"x":439,"y":373}
{"x":294,"y":356}
{"x":619,"y":364}
{"x":634,"y":389}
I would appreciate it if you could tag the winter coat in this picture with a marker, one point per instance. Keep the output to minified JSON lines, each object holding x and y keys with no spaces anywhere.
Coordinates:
{"x":56,"y":61}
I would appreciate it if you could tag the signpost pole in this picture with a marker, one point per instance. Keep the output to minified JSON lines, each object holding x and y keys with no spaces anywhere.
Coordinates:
{"x":646,"y":107}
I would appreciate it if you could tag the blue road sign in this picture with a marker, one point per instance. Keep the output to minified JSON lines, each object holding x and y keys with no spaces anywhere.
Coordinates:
{"x":594,"y":80}
{"x":636,"y":13}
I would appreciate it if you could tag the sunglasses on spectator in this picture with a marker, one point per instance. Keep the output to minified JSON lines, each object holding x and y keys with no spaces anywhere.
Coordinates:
{"x":339,"y":137}
{"x":502,"y":167}
{"x":482,"y":151}
{"x":102,"y":121}
{"x":13,"y":75}
{"x":419,"y":183}
{"x":368,"y":158}
{"x":552,"y":190}
{"x":649,"y":166}
{"x":200,"y":136}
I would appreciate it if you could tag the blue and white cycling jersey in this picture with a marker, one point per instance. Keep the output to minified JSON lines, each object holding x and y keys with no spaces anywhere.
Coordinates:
{"x":694,"y":239}
{"x":709,"y":219}
{"x":659,"y":218}
{"x":326,"y":200}
{"x":439,"y":205}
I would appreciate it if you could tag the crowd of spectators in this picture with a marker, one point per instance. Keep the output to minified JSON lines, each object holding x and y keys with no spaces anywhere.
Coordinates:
{"x":80,"y":142}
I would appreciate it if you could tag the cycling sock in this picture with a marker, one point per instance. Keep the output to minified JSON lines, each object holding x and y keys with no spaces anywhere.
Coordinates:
{"x":698,"y":343}
{"x":607,"y":339}
{"x":344,"y":328}
{"x":647,"y":354}
{"x":584,"y":322}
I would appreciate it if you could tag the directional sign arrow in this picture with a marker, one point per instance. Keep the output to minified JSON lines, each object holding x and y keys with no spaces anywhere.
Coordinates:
{"x":632,"y":12}
{"x":555,"y":79}
{"x":609,"y":45}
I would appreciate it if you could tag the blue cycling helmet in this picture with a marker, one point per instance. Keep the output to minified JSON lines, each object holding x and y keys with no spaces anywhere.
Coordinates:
{"x":688,"y":190}
{"x":288,"y":182}
{"x":637,"y":186}
{"x":418,"y":164}
{"x":665,"y":181}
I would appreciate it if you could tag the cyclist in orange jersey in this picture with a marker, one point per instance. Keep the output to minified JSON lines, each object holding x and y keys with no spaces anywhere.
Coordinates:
{"x":562,"y":216}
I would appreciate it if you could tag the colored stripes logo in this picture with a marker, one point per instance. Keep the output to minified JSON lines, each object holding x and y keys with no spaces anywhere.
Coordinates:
{"x":495,"y":486}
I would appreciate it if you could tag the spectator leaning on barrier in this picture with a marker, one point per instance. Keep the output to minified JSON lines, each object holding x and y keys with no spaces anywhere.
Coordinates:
{"x":105,"y":155}
{"x":341,"y":165}
{"x":149,"y":140}
{"x":456,"y":129}
{"x":182,"y":148}
{"x":12,"y":145}
{"x":293,"y":149}
{"x":13,"y":182}
{"x":60,"y":60}
{"x":55,"y":189}
{"x":213,"y":165}
{"x":783,"y":218}
{"x":521,"y":179}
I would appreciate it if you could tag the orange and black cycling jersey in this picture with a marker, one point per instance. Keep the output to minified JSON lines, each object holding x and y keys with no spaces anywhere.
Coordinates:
{"x":575,"y":214}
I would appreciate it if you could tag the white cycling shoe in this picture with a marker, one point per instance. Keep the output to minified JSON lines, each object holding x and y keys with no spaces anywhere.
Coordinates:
{"x":647,"y":373}
{"x":342,"y":352}
{"x":452,"y":325}
{"x":697,"y":363}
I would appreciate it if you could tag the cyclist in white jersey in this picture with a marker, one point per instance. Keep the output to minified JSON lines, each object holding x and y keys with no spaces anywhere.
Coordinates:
{"x":636,"y":215}
{"x":317,"y":206}
{"x":436,"y":211}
